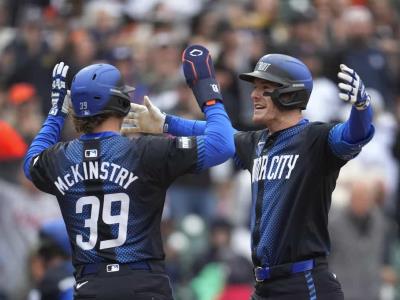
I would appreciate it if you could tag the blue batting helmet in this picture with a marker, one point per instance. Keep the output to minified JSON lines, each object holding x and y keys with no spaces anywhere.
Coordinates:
{"x":292,"y":76}
{"x":98,"y":89}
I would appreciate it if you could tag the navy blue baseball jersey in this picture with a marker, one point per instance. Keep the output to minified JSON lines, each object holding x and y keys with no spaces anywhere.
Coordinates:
{"x":111,"y":192}
{"x":293,"y":173}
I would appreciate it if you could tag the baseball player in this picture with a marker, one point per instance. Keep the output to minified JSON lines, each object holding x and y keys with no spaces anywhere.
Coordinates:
{"x":294,"y":165}
{"x":111,"y":189}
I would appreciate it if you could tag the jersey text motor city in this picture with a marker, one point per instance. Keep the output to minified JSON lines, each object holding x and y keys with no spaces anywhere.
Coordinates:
{"x":281,"y":166}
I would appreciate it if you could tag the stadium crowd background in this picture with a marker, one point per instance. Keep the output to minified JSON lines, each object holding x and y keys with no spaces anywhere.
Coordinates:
{"x":205,"y":224}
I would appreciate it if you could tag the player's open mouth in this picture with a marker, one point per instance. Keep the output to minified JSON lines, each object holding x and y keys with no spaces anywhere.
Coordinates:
{"x":259,"y":106}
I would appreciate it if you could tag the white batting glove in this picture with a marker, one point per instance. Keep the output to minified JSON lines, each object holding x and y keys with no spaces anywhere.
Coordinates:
{"x":145,"y":118}
{"x":352,"y":88}
{"x":60,"y":96}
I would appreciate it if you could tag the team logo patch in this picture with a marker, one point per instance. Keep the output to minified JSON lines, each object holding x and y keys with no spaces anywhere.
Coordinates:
{"x":196,"y":52}
{"x":262,"y":66}
{"x":112,"y":268}
{"x":184,"y":143}
{"x":91,"y":153}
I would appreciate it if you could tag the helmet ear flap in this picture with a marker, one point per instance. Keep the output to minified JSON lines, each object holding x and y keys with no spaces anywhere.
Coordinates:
{"x":287,"y":98}
{"x":275,"y":95}
{"x":284,"y":100}
{"x":303,"y":96}
{"x":279,"y":98}
{"x":125,"y":105}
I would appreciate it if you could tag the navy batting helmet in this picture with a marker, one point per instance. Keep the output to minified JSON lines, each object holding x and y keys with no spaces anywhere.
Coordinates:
{"x":292,"y":76}
{"x":98,"y":89}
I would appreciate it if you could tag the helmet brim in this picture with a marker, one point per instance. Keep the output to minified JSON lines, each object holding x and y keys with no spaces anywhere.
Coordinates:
{"x":250,"y":77}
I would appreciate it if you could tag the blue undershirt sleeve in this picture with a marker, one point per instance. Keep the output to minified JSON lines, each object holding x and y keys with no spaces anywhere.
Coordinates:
{"x":216,"y":145}
{"x":47,"y":137}
{"x":358,"y":126}
{"x":178,"y":126}
{"x":346,"y":139}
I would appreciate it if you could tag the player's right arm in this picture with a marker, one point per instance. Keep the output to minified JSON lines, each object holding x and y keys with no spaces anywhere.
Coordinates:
{"x":51,"y":128}
{"x":217,"y":144}
{"x":199,"y":74}
{"x":215,"y":135}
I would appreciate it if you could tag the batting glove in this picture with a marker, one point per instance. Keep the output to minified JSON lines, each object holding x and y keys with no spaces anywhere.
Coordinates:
{"x":199,"y":72}
{"x":60,"y":96}
{"x":352,"y":88}
{"x":145,"y":118}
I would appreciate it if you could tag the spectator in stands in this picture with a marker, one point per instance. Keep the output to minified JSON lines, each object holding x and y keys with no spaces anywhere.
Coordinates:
{"x":358,"y":235}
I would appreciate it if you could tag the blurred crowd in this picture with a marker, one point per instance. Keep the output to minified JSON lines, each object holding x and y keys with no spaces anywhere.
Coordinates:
{"x":205,"y":223}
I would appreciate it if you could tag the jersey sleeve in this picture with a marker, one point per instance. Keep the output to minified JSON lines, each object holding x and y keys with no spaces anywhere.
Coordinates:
{"x":320,"y":136}
{"x":39,"y":171}
{"x":165,"y":159}
{"x":48,"y":136}
{"x":343,"y":148}
{"x":245,"y":143}
{"x":42,"y":169}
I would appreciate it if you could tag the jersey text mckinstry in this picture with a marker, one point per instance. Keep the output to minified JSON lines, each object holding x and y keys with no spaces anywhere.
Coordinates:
{"x":93,"y":170}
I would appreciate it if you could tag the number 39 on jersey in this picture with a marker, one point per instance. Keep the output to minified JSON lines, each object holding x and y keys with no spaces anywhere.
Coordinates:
{"x":121,"y":219}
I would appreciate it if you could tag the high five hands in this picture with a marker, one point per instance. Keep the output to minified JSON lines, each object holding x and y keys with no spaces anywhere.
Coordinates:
{"x":145,"y":118}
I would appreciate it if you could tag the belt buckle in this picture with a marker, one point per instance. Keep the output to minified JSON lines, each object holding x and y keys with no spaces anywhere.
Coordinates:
{"x":258,"y":270}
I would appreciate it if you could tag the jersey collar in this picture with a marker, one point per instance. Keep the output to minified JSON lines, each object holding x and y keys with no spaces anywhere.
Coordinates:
{"x":276,"y":133}
{"x":303,"y":121}
{"x":98,"y":135}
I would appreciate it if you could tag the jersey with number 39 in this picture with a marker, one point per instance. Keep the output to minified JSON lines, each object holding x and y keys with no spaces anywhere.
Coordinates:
{"x":111,"y":192}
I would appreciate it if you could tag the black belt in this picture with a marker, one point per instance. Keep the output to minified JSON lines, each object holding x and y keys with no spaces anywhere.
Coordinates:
{"x":116,"y":267}
{"x":264,"y":273}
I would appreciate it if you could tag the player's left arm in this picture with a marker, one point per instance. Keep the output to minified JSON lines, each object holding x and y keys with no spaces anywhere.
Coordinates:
{"x":51,"y":128}
{"x":346,"y":139}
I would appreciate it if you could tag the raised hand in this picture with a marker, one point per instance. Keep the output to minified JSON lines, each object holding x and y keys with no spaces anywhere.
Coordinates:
{"x":352,"y":88}
{"x":60,"y":96}
{"x":199,"y":73}
{"x":145,"y":118}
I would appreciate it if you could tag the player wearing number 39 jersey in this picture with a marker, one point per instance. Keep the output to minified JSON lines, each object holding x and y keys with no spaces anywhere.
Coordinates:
{"x":111,"y":189}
